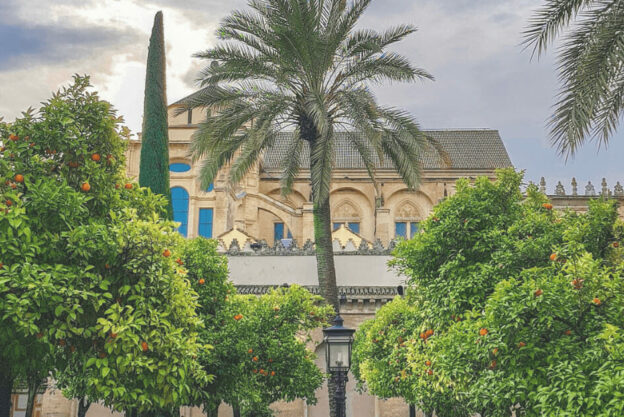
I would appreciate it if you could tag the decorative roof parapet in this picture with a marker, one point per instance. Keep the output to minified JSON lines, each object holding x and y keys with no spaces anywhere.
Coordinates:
{"x":590,"y":189}
{"x":261,"y":248}
{"x":348,"y":292}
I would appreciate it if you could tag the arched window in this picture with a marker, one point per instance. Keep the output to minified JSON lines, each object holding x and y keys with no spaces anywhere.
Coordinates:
{"x":180,"y":202}
{"x":406,"y":221}
{"x":179,"y":167}
{"x":348,"y":215}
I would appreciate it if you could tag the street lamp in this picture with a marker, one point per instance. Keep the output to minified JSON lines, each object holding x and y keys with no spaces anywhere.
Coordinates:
{"x":338,"y":340}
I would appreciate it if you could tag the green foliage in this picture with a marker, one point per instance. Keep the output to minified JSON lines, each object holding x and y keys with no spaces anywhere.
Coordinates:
{"x":510,"y":328}
{"x":591,"y":57}
{"x":84,"y":280}
{"x":258,"y":345}
{"x":154,"y":165}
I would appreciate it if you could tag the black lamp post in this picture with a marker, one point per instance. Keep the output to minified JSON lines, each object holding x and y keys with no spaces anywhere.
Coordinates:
{"x":338,"y":341}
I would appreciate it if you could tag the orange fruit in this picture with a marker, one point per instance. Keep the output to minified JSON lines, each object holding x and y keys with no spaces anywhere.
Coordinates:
{"x":117,"y":186}
{"x":272,"y":373}
{"x":547,"y":206}
{"x":9,"y":203}
{"x":521,"y":344}
{"x":179,"y":262}
{"x":128,"y":186}
{"x":166,"y":253}
{"x":553,"y":256}
{"x":238,"y":317}
{"x":144,"y":346}
{"x":493,"y":364}
{"x":495,"y":351}
{"x":13,"y":137}
{"x":483,"y":331}
{"x":202,"y":281}
{"x":568,"y":332}
{"x":427,"y":363}
{"x":85,"y":187}
{"x":113,"y":335}
{"x":255,"y":371}
{"x":597,"y":301}
{"x":250,"y":351}
{"x":429,"y":372}
{"x":538,"y":292}
{"x":95,"y":157}
{"x":19,"y":178}
{"x":107,"y":266}
{"x":72,"y":164}
{"x":616,"y":244}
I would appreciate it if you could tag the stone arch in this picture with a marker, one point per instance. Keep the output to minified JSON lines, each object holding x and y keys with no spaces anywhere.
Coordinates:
{"x":413,"y":196}
{"x":266,"y":221}
{"x":346,"y":211}
{"x":407,"y":211}
{"x":294,"y":199}
{"x":352,"y":205}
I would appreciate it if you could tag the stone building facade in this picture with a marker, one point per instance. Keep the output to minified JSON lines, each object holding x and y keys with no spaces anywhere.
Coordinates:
{"x":268,"y":237}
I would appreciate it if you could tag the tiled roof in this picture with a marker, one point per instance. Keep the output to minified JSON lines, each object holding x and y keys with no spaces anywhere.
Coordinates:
{"x":466,"y":149}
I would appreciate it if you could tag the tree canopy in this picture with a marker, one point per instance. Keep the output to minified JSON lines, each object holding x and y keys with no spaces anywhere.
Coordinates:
{"x":512,"y":307}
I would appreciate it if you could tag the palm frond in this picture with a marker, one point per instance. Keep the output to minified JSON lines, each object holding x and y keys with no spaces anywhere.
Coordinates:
{"x":548,"y":22}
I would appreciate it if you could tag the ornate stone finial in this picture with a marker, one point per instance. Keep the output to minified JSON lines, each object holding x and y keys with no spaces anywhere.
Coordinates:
{"x":234,"y":247}
{"x":363,"y":248}
{"x":378,"y":246}
{"x":589,"y":189}
{"x":574,"y":186}
{"x":618,"y":190}
{"x":605,"y":190}
{"x":559,"y":190}
{"x":308,"y":246}
{"x":542,"y":186}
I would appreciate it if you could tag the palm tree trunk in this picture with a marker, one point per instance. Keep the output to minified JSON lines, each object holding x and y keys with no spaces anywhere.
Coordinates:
{"x":6,"y":388}
{"x":325,"y":253}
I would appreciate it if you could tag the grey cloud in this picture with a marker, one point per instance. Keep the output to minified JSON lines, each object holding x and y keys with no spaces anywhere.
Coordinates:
{"x":22,"y":46}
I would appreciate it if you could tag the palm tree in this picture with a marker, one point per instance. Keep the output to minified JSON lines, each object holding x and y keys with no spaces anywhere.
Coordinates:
{"x":301,"y":65}
{"x":591,"y":67}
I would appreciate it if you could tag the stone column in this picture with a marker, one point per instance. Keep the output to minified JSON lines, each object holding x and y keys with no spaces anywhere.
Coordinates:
{"x":383,"y":225}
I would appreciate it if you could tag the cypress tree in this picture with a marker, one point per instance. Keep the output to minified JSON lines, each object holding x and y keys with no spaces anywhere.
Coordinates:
{"x":154,"y":168}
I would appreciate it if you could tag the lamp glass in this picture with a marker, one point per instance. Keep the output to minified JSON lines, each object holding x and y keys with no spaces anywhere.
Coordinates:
{"x":339,"y":354}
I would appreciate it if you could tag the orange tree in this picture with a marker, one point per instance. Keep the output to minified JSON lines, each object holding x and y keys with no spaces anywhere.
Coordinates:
{"x":87,"y":274}
{"x":548,"y":341}
{"x":475,"y":239}
{"x":259,"y":353}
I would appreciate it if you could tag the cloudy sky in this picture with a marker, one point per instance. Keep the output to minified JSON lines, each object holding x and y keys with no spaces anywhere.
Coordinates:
{"x":484,"y":79}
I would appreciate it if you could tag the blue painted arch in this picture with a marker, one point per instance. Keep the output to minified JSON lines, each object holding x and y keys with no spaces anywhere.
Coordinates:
{"x":180,"y":203}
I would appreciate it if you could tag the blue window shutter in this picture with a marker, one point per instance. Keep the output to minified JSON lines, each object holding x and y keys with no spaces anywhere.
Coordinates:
{"x":400,"y":229}
{"x":337,"y":226}
{"x":210,"y":187}
{"x":278,"y":231}
{"x":414,"y":229}
{"x":179,"y":167}
{"x":289,"y":235}
{"x":355,"y":227}
{"x":205,"y":222}
{"x":180,"y":203}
